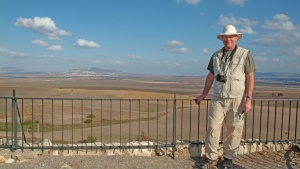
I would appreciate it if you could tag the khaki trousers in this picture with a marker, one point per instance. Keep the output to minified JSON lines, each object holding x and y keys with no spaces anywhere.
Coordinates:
{"x":228,"y":111}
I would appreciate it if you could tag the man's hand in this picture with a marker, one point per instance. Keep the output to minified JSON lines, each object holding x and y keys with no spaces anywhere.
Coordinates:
{"x":208,"y":82}
{"x":248,"y":105}
{"x":198,"y":99}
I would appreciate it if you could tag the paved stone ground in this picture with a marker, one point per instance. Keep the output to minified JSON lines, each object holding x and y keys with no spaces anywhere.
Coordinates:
{"x":267,"y":159}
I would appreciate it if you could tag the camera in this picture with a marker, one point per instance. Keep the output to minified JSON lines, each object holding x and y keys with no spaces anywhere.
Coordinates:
{"x":221,"y":78}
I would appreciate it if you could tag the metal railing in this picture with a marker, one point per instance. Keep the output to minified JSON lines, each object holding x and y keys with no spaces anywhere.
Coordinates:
{"x":76,"y":123}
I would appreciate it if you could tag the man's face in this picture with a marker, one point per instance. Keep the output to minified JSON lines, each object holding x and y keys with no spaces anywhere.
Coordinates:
{"x":229,"y":41}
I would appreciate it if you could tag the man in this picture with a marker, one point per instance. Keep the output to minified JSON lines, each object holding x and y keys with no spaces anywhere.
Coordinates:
{"x":231,"y":69}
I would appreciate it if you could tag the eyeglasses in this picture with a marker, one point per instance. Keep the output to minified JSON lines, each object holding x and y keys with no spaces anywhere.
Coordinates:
{"x":229,"y":36}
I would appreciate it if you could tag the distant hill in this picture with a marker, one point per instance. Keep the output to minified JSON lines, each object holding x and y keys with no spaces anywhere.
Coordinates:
{"x":10,"y":70}
{"x":90,"y":72}
{"x":282,"y":77}
{"x":94,"y":70}
{"x":260,"y":77}
{"x":277,"y":74}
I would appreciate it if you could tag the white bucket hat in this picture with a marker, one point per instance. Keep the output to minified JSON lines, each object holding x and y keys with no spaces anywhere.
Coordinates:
{"x":229,"y":30}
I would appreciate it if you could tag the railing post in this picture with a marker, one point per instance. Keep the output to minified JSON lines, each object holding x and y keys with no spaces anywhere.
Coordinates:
{"x":14,"y":122}
{"x":174,"y":125}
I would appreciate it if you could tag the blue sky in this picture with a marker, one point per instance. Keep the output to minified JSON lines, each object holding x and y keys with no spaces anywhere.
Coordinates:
{"x":166,"y":37}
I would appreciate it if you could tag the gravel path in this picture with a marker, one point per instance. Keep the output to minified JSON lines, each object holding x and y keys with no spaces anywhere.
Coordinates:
{"x":101,"y":162}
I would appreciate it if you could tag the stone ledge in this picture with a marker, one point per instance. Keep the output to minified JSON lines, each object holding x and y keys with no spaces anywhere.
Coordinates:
{"x":182,"y":149}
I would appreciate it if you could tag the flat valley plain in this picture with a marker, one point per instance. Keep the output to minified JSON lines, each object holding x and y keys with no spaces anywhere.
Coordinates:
{"x":132,"y":87}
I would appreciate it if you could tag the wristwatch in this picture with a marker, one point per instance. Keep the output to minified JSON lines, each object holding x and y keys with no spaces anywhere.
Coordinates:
{"x":250,"y":97}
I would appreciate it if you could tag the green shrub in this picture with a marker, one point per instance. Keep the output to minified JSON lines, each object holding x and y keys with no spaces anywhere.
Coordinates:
{"x":27,"y":123}
{"x":89,"y":139}
{"x":90,"y":116}
{"x":88,"y":121}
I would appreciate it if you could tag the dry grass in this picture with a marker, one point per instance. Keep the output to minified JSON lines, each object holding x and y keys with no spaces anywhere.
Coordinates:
{"x":106,"y":96}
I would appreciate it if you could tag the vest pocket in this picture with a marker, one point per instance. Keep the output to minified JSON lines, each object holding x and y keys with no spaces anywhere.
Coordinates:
{"x":237,"y":88}
{"x":218,"y":88}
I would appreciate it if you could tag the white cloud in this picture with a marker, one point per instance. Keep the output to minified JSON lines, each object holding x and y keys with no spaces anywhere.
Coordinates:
{"x":55,"y":48}
{"x":133,"y":57}
{"x":192,"y":2}
{"x":261,"y":59}
{"x":224,"y":20}
{"x":237,"y":2}
{"x":247,"y":30}
{"x":44,"y":26}
{"x":168,"y":63}
{"x":13,"y":53}
{"x":117,"y":62}
{"x":86,"y":44}
{"x":265,"y":41}
{"x":176,"y":46}
{"x":261,"y":53}
{"x":47,"y":56}
{"x":39,"y":43}
{"x":174,"y":43}
{"x":245,"y":23}
{"x":182,"y":50}
{"x":296,"y":51}
{"x":205,"y":50}
{"x":195,"y":61}
{"x":279,"y":22}
{"x":283,"y":34}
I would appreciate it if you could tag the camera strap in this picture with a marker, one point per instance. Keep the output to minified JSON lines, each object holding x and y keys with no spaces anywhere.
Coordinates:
{"x":231,"y":54}
{"x":229,"y":58}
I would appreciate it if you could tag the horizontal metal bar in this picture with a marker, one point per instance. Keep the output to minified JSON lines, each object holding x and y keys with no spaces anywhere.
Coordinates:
{"x":67,"y":147}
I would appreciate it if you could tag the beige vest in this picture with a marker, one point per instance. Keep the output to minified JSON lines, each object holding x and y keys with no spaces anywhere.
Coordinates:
{"x":233,"y":69}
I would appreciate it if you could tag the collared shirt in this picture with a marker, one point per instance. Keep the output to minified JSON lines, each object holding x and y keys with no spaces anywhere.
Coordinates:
{"x":249,"y":62}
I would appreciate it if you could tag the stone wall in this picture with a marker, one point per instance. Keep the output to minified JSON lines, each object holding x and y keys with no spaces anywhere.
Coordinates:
{"x":186,"y":149}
